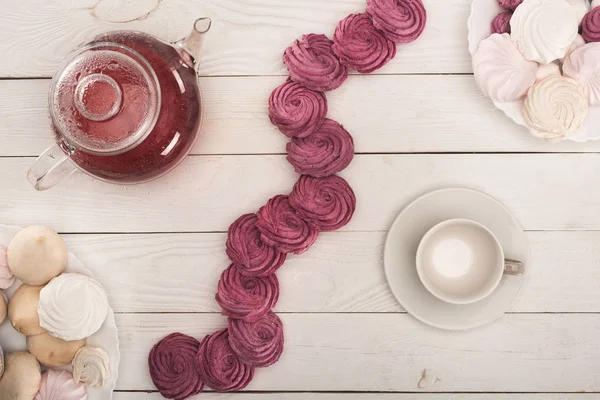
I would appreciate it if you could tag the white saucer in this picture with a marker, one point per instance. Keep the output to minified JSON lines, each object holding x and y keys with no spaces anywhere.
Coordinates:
{"x":401,"y":248}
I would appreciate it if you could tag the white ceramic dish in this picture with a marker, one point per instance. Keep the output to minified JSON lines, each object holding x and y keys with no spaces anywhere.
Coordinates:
{"x":106,"y":338}
{"x":403,"y":240}
{"x":479,"y":25}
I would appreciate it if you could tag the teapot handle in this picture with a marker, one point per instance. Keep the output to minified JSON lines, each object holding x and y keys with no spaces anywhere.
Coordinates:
{"x":51,"y":167}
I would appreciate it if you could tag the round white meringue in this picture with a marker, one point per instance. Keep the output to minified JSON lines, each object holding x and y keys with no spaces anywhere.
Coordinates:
{"x":583,"y":65}
{"x":59,"y":385}
{"x":37,"y":254}
{"x":91,"y":366}
{"x":72,"y":306}
{"x":555,"y":108}
{"x":22,"y":376}
{"x":500,"y":70}
{"x":581,"y":7}
{"x":595,"y":3}
{"x":543,"y":30}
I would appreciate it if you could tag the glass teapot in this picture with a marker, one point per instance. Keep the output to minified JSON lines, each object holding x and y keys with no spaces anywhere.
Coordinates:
{"x":125,"y":108}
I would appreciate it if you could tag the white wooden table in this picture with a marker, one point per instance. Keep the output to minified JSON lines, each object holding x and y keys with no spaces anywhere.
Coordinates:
{"x":419,"y":124}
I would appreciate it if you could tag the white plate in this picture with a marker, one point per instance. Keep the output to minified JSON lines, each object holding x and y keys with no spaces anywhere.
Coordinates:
{"x":106,"y":338}
{"x":480,"y":20}
{"x":401,"y":249}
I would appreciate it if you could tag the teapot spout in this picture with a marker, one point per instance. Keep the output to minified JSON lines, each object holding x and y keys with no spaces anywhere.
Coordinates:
{"x":191,"y":46}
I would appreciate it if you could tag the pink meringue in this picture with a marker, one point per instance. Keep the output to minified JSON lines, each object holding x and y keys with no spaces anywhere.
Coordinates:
{"x":501,"y":71}
{"x":312,"y":63}
{"x":280,"y":226}
{"x":296,"y":110}
{"x":248,"y":252}
{"x":590,"y":26}
{"x":328,"y":203}
{"x":326,"y":152}
{"x":172,"y":366}
{"x":583,"y":65}
{"x":60,"y":385}
{"x":402,"y":21}
{"x":219,"y":367}
{"x":6,"y":276}
{"x":360,"y":46}
{"x":258,"y":344}
{"x":501,"y":23}
{"x":244,"y":297}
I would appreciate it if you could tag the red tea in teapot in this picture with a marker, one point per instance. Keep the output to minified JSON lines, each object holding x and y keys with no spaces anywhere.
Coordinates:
{"x":125,"y":108}
{"x":135,"y":118}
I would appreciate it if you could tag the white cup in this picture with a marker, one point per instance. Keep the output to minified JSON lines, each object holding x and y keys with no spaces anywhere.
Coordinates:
{"x":461,"y":261}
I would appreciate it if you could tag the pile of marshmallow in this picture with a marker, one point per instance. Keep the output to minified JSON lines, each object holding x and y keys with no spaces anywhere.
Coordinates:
{"x":545,"y":53}
{"x":57,"y":312}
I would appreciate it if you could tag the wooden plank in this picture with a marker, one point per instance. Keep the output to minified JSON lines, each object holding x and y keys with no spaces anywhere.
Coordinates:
{"x":343,"y":272}
{"x":247,"y":37}
{"x":207,"y":193}
{"x":386,"y":120}
{"x":362,"y":396}
{"x":387,"y":352}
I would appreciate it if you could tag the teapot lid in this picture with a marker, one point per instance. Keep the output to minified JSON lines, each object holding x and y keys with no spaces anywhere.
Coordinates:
{"x":106,"y":99}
